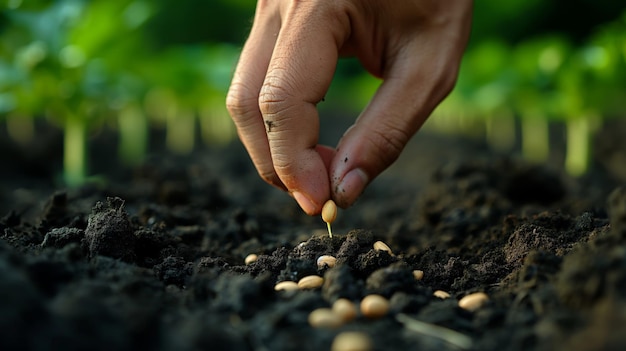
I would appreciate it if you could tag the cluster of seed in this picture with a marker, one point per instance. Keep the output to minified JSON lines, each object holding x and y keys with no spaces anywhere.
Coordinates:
{"x":344,"y":311}
{"x":305,"y":283}
{"x":471,"y":302}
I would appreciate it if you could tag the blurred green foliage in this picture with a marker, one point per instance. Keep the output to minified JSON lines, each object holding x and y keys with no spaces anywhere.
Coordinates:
{"x":157,"y":60}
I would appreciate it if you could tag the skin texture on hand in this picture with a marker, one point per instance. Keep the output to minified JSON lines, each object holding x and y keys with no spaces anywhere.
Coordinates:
{"x":286,"y":67}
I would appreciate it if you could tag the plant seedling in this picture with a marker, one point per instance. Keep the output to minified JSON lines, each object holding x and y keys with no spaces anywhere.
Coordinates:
{"x":329,"y":213}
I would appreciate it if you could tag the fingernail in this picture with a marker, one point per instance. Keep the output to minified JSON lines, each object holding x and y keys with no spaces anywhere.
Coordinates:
{"x":352,"y":185}
{"x":307,"y":205}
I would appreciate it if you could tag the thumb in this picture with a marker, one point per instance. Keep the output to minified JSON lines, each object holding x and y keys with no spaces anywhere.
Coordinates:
{"x":413,"y":86}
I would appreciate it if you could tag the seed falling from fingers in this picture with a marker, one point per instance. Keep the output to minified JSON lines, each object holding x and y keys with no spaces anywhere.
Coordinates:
{"x":329,"y":213}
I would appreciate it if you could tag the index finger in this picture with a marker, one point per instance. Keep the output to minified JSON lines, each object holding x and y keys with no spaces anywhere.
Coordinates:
{"x":299,"y":74}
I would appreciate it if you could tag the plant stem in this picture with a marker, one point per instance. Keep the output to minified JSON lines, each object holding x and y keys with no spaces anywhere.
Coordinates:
{"x":180,"y":132}
{"x":578,"y":145}
{"x":75,"y":151}
{"x":535,"y":138}
{"x":500,"y":130}
{"x":215,"y":125}
{"x":133,"y":129}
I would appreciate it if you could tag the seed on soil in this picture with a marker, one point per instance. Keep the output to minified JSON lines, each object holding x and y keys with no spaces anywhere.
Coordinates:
{"x":418,"y":274}
{"x":251,"y":258}
{"x":310,"y":282}
{"x":324,"y":318}
{"x":329,"y":214}
{"x":326,"y":260}
{"x":474,"y":301}
{"x":345,"y":309}
{"x":441,"y":294}
{"x":352,"y":341}
{"x":374,"y":306}
{"x":381,"y":246}
{"x":286,"y":285}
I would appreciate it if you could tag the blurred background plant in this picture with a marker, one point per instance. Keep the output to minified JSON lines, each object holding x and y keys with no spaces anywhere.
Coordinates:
{"x":133,"y":65}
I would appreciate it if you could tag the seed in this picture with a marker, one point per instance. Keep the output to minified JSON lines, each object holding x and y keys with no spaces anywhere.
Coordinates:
{"x":251,"y":258}
{"x":381,"y":246}
{"x":345,"y":309}
{"x":329,"y":211}
{"x":441,"y":294}
{"x":374,"y":306}
{"x":418,"y":274}
{"x":286,"y":285}
{"x":474,"y":301}
{"x":352,"y":341}
{"x":310,"y":282}
{"x":324,"y":318}
{"x":326,"y":260}
{"x":329,"y":214}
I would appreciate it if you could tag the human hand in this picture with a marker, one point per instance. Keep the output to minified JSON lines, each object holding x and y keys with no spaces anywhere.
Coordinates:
{"x":287,"y":65}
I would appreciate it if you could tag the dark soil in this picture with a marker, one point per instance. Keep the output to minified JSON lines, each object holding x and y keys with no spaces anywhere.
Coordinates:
{"x":153,"y":257}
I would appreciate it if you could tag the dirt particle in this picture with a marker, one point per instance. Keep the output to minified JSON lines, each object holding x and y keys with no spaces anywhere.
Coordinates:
{"x":109,"y":232}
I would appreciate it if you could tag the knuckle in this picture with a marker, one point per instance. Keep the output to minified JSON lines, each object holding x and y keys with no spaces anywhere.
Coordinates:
{"x":240,"y":100}
{"x":274,"y":97}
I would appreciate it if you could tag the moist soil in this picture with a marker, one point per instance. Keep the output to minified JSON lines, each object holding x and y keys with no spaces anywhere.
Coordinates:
{"x":152,"y":256}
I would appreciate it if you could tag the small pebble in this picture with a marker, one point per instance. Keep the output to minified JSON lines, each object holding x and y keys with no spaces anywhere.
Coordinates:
{"x":286,"y":285}
{"x":345,"y":309}
{"x":326,"y":260}
{"x":418,"y":274}
{"x":310,"y":282}
{"x":381,"y":246}
{"x":441,"y":294}
{"x":374,"y":306}
{"x":251,"y":258}
{"x":324,"y":318}
{"x":474,"y":301}
{"x":352,"y":341}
